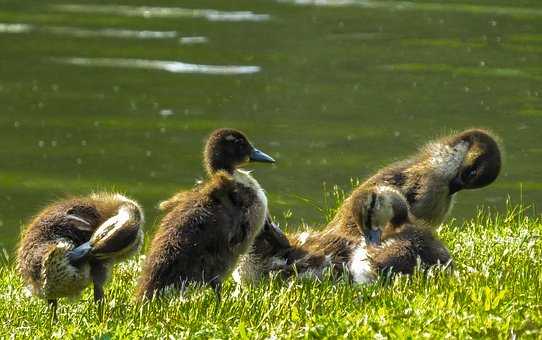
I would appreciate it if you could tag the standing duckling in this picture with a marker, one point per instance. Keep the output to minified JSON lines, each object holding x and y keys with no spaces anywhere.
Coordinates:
{"x":430,"y":179}
{"x":207,"y":229}
{"x":75,"y":242}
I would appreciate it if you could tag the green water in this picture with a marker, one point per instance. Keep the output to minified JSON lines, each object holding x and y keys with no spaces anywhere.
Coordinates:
{"x":332,"y":90}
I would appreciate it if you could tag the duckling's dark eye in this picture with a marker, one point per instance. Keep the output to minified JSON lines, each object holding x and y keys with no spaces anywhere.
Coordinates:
{"x":468,"y":174}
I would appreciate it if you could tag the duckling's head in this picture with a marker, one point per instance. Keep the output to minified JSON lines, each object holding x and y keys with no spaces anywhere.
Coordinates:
{"x":382,"y":206}
{"x":227,"y":149}
{"x":482,"y":162}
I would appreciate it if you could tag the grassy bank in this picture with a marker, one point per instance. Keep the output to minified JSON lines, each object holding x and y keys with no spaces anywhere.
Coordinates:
{"x":495,"y":291}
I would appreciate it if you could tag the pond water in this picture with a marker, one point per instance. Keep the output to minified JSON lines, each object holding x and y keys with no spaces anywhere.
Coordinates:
{"x":120,"y":97}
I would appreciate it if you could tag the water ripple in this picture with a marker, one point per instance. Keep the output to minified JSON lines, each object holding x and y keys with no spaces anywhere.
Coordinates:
{"x":534,"y":74}
{"x":434,"y":7}
{"x":15,"y":28}
{"x":164,"y":12}
{"x":193,"y":40}
{"x":164,"y":65}
{"x":104,"y":32}
{"x":109,"y":33}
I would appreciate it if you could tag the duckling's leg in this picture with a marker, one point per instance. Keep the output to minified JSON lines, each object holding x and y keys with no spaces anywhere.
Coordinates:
{"x":217,"y":287}
{"x":53,"y":303}
{"x":99,"y":272}
{"x":98,"y":292}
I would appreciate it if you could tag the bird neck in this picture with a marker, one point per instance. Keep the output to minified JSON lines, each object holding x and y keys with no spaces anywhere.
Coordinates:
{"x":214,"y":164}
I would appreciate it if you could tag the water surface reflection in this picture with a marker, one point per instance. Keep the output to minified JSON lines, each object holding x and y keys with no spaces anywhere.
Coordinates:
{"x":163,"y":12}
{"x":164,"y":65}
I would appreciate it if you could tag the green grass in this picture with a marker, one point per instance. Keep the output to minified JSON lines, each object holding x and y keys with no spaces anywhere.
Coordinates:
{"x":495,"y":292}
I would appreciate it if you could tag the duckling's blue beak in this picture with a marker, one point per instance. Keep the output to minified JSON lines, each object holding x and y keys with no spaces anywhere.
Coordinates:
{"x":78,"y":255}
{"x":259,"y":156}
{"x":374,"y":236}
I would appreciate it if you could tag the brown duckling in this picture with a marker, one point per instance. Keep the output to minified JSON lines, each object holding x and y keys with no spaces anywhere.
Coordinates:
{"x":75,"y":242}
{"x":207,"y":229}
{"x":348,"y":239}
{"x":401,"y":252}
{"x":270,"y":246}
{"x":352,"y":239}
{"x":430,"y":179}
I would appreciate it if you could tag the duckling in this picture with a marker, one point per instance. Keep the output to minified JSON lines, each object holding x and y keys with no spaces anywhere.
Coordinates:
{"x":75,"y":242}
{"x":207,"y":229}
{"x":270,"y":246}
{"x":401,"y":252}
{"x":352,"y":241}
{"x":430,"y":179}
{"x":349,"y":238}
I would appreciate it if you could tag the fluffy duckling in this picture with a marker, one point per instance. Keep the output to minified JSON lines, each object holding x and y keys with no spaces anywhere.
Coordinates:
{"x":206,"y":230}
{"x":400,"y":253}
{"x":75,"y":242}
{"x":350,"y":236}
{"x":430,"y":179}
{"x":270,"y":246}
{"x":352,"y":240}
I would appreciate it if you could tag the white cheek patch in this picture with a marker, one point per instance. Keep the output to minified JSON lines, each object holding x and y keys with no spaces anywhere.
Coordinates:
{"x":446,"y":159}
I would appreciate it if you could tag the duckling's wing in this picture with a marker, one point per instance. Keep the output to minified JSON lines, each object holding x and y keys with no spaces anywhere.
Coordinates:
{"x":83,"y":217}
{"x":400,"y":253}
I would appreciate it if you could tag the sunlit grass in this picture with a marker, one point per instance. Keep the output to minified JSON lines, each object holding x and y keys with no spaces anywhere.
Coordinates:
{"x":495,"y":291}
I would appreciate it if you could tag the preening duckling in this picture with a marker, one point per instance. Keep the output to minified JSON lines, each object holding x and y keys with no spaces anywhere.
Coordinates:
{"x":75,"y":242}
{"x":352,"y":240}
{"x":430,"y":179}
{"x":346,"y":241}
{"x":206,"y":230}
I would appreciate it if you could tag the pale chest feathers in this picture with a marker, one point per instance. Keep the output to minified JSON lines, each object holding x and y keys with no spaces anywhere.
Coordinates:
{"x":258,"y":209}
{"x":446,"y":160}
{"x":360,"y":265}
